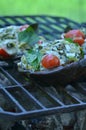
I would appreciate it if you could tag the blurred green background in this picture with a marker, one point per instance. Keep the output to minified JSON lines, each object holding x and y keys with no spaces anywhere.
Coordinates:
{"x":72,"y":9}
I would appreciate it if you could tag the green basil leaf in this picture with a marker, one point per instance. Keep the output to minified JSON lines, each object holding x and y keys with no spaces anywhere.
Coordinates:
{"x":30,"y":35}
{"x":35,"y":64}
{"x":82,"y":52}
{"x":69,"y":40}
{"x":30,"y":55}
{"x":33,"y":58}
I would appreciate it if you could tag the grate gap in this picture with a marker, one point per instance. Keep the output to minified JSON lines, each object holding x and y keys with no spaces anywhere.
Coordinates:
{"x":10,"y":21}
{"x":24,"y":100}
{"x":5,"y":80}
{"x":10,"y":97}
{"x":66,"y":96}
{"x":74,"y":93}
{"x":30,"y":20}
{"x":51,"y":20}
{"x":52,"y":96}
{"x":81,"y":90}
{"x":40,"y":20}
{"x":43,"y":97}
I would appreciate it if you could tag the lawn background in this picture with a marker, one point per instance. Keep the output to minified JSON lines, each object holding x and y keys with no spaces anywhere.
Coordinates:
{"x":72,"y":9}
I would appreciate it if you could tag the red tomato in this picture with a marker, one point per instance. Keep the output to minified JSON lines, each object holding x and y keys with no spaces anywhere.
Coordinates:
{"x":78,"y":40}
{"x":50,"y":61}
{"x":22,"y":28}
{"x":76,"y":35}
{"x":4,"y":54}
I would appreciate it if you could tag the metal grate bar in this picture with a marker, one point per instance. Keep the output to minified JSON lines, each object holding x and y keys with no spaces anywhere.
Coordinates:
{"x":74,"y":97}
{"x":56,"y":24}
{"x":50,"y":111}
{"x":32,"y":97}
{"x":53,"y":97}
{"x":1,"y":110}
{"x":12,"y":99}
{"x":28,"y":93}
{"x":81,"y":87}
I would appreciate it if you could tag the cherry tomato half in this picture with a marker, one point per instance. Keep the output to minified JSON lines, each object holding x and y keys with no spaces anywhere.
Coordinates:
{"x":22,"y":28}
{"x":76,"y":35}
{"x":50,"y":61}
{"x":4,"y":54}
{"x":78,"y":40}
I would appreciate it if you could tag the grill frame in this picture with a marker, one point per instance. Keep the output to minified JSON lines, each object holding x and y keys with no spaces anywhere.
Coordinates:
{"x":52,"y":23}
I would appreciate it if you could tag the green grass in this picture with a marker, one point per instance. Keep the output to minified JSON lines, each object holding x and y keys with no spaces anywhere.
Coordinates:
{"x":72,"y":9}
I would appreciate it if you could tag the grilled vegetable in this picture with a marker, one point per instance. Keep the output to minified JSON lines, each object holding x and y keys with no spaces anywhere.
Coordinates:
{"x":50,"y":54}
{"x":8,"y":41}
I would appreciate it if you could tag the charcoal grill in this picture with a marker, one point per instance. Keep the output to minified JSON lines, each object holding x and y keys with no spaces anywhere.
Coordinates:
{"x":27,"y":99}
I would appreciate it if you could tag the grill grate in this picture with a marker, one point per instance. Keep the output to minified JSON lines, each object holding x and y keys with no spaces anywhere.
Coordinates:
{"x":31,"y":100}
{"x":24,"y":99}
{"x":50,"y":27}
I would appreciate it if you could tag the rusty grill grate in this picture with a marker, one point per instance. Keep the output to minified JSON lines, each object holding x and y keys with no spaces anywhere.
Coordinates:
{"x":20,"y":98}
